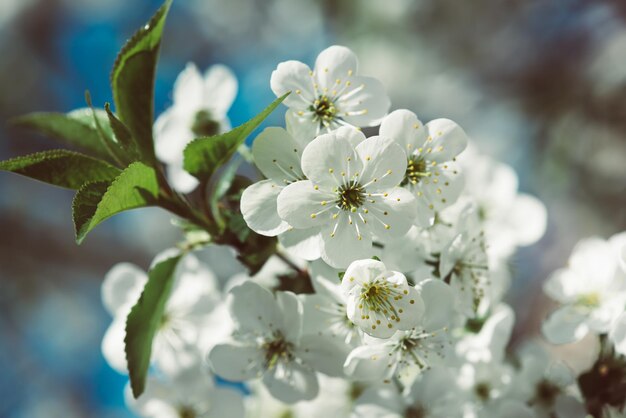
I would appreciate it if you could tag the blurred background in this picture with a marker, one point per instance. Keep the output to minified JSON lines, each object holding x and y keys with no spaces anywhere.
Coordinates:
{"x":540,"y":85}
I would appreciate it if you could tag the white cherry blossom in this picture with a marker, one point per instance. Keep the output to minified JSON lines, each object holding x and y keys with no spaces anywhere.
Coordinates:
{"x":332,"y":94}
{"x":351,"y":195}
{"x":191,"y":309}
{"x":591,"y":291}
{"x":432,"y":172}
{"x":201,"y":103}
{"x":380,"y":301}
{"x":407,"y":353}
{"x":191,"y":393}
{"x":268,"y":343}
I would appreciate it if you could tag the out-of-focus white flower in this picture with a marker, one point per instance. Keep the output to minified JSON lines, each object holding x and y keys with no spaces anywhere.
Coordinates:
{"x":326,"y":311}
{"x":333,"y":401}
{"x":617,"y":334}
{"x":463,"y":263}
{"x":434,"y":395}
{"x":509,"y":219}
{"x":483,"y":384}
{"x":432,"y":173}
{"x":268,"y":343}
{"x":407,"y":353}
{"x":199,"y":109}
{"x":380,"y":301}
{"x":544,"y":385}
{"x":189,"y":311}
{"x":488,"y":343}
{"x":188,"y":394}
{"x":332,"y":94}
{"x":351,"y":194}
{"x":591,"y":290}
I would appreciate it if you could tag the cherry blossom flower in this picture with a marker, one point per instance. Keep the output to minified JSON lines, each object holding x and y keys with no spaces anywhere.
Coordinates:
{"x":199,"y":109}
{"x":191,"y":393}
{"x":407,"y":353}
{"x":332,"y":94}
{"x":432,"y":173}
{"x":591,"y":291}
{"x":380,"y":302}
{"x":351,"y":194}
{"x":268,"y":343}
{"x":189,"y":312}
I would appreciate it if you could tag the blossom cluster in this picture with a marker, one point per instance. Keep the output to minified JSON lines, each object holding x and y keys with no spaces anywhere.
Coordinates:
{"x":405,"y":238}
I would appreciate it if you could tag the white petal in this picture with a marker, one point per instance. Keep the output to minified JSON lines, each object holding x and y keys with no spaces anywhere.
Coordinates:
{"x":302,"y":206}
{"x":172,"y":132}
{"x":425,"y":216}
{"x":342,"y":245}
{"x":368,"y":362}
{"x":404,"y":127}
{"x":188,"y":90}
{"x":303,"y":243}
{"x":383,"y":160}
{"x":528,"y":219}
{"x":448,"y":140}
{"x":323,"y":353}
{"x":393,"y":214}
{"x":254,"y":309}
{"x":277,"y":155}
{"x":295,"y":77}
{"x":113,"y":345}
{"x":335,"y":63}
{"x":380,"y":403}
{"x":565,"y":325}
{"x":303,"y":129}
{"x":226,"y":403}
{"x":181,"y":180}
{"x":122,"y":287}
{"x":439,"y":304}
{"x":441,"y":190}
{"x":236,"y":362}
{"x":259,"y":208}
{"x":220,"y":89}
{"x":360,"y":272}
{"x":291,"y":312}
{"x":618,"y":334}
{"x":327,"y":157}
{"x":366,"y":107}
{"x":290,"y":382}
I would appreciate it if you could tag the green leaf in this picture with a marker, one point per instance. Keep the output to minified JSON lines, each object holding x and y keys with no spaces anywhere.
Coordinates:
{"x":76,"y":128}
{"x":144,"y":321}
{"x":132,"y":81}
{"x":123,"y":136}
{"x":137,"y":186}
{"x":61,"y":168}
{"x":205,"y":155}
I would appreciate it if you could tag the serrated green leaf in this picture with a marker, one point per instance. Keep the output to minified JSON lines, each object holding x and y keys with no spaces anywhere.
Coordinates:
{"x":61,"y":168}
{"x":205,"y":155}
{"x":132,"y":81}
{"x":76,"y":128}
{"x":86,"y":202}
{"x":123,"y":136}
{"x":144,"y":320}
{"x":137,"y":186}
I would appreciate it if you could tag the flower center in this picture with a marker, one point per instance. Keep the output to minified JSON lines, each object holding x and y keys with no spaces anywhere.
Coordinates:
{"x":546,"y":392}
{"x":415,"y":411}
{"x":483,"y":391}
{"x":204,"y":125}
{"x":589,"y":300}
{"x":276,"y":350}
{"x":186,"y":412}
{"x":324,"y":110}
{"x":350,"y":196}
{"x":415,"y":170}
